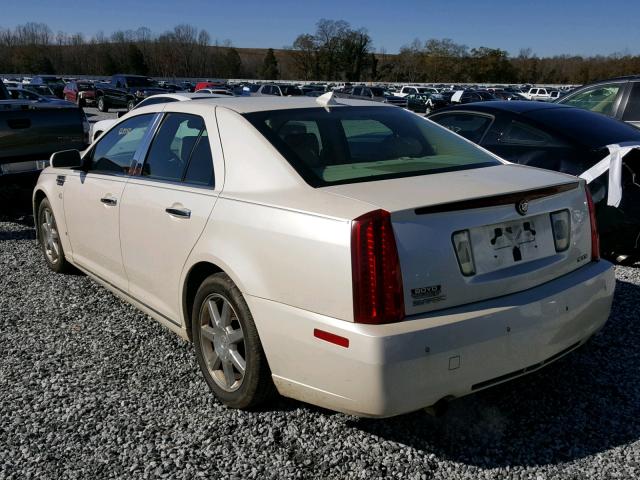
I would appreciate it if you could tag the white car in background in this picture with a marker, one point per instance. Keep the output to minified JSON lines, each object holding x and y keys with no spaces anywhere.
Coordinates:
{"x":414,"y":89}
{"x":535,"y":93}
{"x":217,"y":91}
{"x":101,"y":126}
{"x":352,"y":255}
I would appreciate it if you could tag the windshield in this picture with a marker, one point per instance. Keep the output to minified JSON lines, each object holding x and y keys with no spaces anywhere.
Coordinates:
{"x":377,"y":91}
{"x":356,"y":144}
{"x":85,"y":86}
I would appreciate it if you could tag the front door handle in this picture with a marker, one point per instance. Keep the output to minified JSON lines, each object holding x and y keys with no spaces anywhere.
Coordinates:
{"x":179,"y":212}
{"x":109,"y":201}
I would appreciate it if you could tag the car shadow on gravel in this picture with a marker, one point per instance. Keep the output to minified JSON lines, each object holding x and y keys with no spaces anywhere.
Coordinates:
{"x":583,"y":404}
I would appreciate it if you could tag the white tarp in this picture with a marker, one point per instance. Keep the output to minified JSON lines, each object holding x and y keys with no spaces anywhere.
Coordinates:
{"x":613,"y":163}
{"x":457,"y":96}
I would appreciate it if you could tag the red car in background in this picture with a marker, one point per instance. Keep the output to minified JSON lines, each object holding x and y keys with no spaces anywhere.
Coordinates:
{"x":82,"y":93}
{"x":208,"y":84}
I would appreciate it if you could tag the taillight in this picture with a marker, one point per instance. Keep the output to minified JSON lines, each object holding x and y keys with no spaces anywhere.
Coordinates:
{"x":377,"y":280}
{"x":595,"y":238}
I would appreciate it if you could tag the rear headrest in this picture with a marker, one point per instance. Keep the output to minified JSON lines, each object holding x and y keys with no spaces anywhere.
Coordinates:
{"x":306,"y":146}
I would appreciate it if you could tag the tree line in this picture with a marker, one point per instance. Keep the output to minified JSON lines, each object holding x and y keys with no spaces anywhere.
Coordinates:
{"x":335,"y":51}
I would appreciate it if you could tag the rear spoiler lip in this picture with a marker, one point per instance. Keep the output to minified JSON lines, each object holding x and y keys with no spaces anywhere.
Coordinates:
{"x":495,"y":200}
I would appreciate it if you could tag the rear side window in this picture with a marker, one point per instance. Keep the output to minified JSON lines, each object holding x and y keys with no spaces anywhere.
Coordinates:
{"x":470,"y":126}
{"x":114,"y":152}
{"x":518,"y":133}
{"x":180,"y":151}
{"x":355,"y":144}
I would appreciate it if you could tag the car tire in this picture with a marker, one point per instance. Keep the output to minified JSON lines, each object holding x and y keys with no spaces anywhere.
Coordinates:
{"x":225,"y":337}
{"x":102,"y":104}
{"x":131,"y":104}
{"x":49,"y":239}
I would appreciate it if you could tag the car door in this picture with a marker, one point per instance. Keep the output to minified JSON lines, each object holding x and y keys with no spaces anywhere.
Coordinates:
{"x":92,"y":197}
{"x":165,"y":208}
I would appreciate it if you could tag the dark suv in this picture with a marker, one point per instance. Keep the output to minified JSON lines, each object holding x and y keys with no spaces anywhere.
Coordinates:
{"x":618,"y":98}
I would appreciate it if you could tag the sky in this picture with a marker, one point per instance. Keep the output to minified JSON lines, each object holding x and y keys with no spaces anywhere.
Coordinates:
{"x":580,"y":27}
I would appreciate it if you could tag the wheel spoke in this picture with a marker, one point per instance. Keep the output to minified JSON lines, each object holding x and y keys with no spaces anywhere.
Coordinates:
{"x":229,"y":376}
{"x":238,"y":361}
{"x":47,"y":216}
{"x":226,"y":314}
{"x":208,"y":332}
{"x":213,"y":361}
{"x":235,"y":336}
{"x":55,"y":248}
{"x":214,"y":314}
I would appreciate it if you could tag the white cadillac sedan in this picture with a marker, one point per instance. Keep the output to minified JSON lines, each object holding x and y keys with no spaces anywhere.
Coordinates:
{"x":355,"y":256}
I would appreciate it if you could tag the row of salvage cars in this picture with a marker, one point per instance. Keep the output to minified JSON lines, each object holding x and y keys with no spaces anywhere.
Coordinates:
{"x":345,"y":253}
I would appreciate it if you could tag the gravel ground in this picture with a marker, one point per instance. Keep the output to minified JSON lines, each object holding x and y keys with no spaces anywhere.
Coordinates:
{"x":90,"y":388}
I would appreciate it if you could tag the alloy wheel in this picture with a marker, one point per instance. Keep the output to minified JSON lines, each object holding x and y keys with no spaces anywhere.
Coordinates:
{"x":222,"y":342}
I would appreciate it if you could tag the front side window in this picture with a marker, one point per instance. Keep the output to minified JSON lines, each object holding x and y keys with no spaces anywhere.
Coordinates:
{"x":601,"y":98}
{"x":114,"y":152}
{"x":470,"y":126}
{"x":355,"y":144}
{"x":180,"y":151}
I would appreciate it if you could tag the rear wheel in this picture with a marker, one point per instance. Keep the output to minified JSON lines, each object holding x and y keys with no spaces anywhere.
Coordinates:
{"x":102,"y":104}
{"x":131,"y":104}
{"x":227,"y":345}
{"x":49,"y":238}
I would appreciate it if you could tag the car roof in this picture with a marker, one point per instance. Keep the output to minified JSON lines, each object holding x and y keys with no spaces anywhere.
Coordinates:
{"x":513,"y":106}
{"x":260,"y":104}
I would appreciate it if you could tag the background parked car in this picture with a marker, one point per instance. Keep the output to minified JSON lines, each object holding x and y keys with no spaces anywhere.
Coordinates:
{"x":81,"y":93}
{"x":27,"y":95}
{"x":538,"y":94}
{"x":617,"y":97}
{"x":55,"y":83}
{"x":103,"y":125}
{"x":125,"y":91}
{"x":42,"y":90}
{"x":216,"y":91}
{"x":564,"y":139}
{"x":28,"y":136}
{"x":377,"y":94}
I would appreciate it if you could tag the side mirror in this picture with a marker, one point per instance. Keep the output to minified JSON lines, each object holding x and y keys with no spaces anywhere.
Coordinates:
{"x":121,"y":114}
{"x":66,"y":159}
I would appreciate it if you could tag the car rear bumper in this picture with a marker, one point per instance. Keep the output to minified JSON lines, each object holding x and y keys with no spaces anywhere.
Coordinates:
{"x":392,"y":369}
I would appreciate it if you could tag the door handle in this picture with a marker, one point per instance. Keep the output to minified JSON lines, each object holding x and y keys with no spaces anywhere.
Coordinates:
{"x":109,"y":201}
{"x":179,"y":212}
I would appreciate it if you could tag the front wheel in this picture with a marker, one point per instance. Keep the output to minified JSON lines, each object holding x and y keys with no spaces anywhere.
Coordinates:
{"x":131,"y":104}
{"x":102,"y":104}
{"x":227,"y":345}
{"x":49,"y":238}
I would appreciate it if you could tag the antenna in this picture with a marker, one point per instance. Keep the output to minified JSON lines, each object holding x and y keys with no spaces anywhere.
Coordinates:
{"x":327,"y":100}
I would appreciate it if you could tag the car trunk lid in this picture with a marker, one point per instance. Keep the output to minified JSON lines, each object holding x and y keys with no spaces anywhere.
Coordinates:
{"x":512,"y":249}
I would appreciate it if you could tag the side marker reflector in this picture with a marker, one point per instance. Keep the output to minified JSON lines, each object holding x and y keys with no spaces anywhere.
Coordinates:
{"x":331,"y":338}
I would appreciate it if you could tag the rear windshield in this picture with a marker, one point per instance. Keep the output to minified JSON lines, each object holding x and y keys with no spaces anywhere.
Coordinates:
{"x":357,"y":144}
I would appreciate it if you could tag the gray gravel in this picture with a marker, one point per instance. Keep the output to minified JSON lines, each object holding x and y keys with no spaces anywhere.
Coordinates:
{"x":90,"y":388}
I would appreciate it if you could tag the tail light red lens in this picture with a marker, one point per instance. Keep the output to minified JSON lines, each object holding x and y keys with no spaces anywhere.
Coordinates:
{"x":377,"y":280}
{"x":595,"y":238}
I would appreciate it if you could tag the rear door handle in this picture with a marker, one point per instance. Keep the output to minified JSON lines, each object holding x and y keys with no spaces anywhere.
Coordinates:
{"x":109,"y":201}
{"x":179,"y":212}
